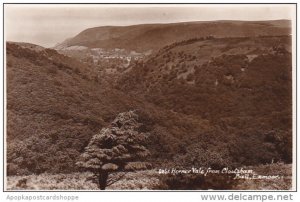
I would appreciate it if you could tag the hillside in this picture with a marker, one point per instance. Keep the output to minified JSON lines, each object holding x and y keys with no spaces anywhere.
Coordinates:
{"x":215,"y":66}
{"x":145,"y":37}
{"x":54,"y":106}
{"x":241,"y":85}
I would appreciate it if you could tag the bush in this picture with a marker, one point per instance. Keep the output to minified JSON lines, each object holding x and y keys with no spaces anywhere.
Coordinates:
{"x":205,"y":155}
{"x":252,"y":148}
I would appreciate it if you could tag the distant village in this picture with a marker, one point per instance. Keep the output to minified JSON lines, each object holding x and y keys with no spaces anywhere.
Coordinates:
{"x":99,"y":53}
{"x":110,"y":60}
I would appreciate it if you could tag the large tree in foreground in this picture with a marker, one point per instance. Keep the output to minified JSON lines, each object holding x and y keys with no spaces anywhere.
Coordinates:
{"x":118,"y":148}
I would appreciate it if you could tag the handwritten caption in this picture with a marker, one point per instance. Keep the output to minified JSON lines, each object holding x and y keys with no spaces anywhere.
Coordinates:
{"x":239,"y":173}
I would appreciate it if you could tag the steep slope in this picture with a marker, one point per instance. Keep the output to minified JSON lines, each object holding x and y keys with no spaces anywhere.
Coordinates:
{"x":54,"y":105}
{"x":146,"y":37}
{"x":241,"y":85}
{"x":215,"y":66}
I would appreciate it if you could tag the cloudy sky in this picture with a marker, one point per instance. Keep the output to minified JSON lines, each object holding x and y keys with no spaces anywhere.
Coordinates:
{"x":47,"y":25}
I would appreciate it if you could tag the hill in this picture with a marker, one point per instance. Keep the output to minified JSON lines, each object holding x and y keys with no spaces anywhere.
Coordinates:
{"x":241,"y":85}
{"x":145,"y":37}
{"x":55,"y":104}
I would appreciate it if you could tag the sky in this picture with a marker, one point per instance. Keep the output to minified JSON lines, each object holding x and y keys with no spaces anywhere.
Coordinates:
{"x":47,"y":25}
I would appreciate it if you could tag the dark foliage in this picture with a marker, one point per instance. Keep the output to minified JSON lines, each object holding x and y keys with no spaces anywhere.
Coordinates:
{"x":243,"y":94}
{"x":54,"y":106}
{"x":118,"y":148}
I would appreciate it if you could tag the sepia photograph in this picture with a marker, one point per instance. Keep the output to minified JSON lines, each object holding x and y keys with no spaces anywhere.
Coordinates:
{"x":149,"y":97}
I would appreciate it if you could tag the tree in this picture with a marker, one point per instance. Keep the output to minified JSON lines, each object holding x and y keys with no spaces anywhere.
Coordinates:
{"x":118,"y":148}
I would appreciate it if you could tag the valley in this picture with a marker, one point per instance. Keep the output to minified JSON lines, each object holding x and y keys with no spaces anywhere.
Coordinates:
{"x":210,"y":94}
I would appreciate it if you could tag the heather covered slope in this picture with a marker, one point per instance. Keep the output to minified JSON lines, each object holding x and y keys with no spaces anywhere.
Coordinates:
{"x":54,"y":106}
{"x":242,"y":86}
{"x":213,"y":73}
{"x":154,"y":36}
